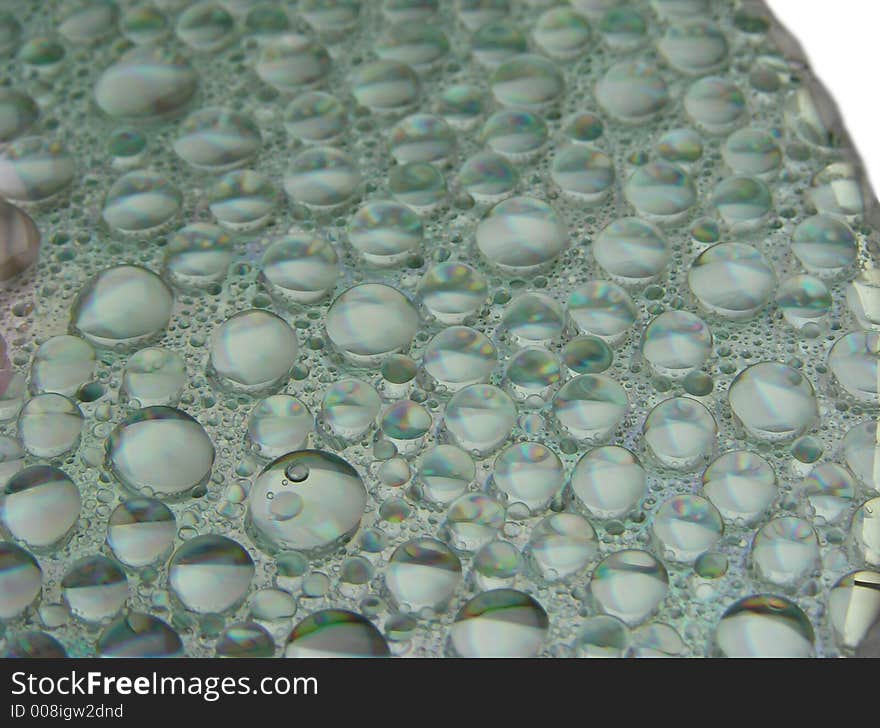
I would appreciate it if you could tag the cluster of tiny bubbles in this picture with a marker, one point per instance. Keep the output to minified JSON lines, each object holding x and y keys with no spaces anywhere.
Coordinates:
{"x":431,"y":329}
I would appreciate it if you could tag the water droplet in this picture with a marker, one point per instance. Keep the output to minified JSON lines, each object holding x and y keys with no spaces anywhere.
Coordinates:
{"x":145,"y":83}
{"x":20,"y":578}
{"x":764,"y":626}
{"x":210,"y":574}
{"x":480,"y":417}
{"x":680,"y":433}
{"x":741,"y":485}
{"x":253,"y":350}
{"x":732,"y":280}
{"x":41,"y":505}
{"x":631,"y":252}
{"x":335,"y":633}
{"x":95,"y":588}
{"x":49,"y":425}
{"x":141,"y":531}
{"x":357,"y":322}
{"x":686,"y":526}
{"x":773,"y":401}
{"x":561,"y":545}
{"x":422,"y":575}
{"x":278,"y":425}
{"x":629,"y":585}
{"x":608,"y":482}
{"x":590,"y":407}
{"x":139,"y":635}
{"x":161,"y":452}
{"x":500,"y":623}
{"x":331,"y":501}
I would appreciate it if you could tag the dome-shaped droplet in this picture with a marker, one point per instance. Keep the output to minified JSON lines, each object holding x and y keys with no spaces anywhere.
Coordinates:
{"x":603,"y":309}
{"x":487,"y":176}
{"x":62,"y":365}
{"x":50,"y":425}
{"x":861,"y":453}
{"x":521,"y":235}
{"x":242,"y":199}
{"x":473,"y":520}
{"x":18,"y":112}
{"x":632,"y":92}
{"x":773,"y":401}
{"x":526,"y":81}
{"x":33,"y":169}
{"x":210,"y":574}
{"x":253,"y":350}
{"x":686,"y":526}
{"x":300,"y":268}
{"x":453,"y":291}
{"x":590,"y":407}
{"x":350,"y":408}
{"x":585,"y":173}
{"x":785,"y":551}
{"x":631,"y":252}
{"x":125,"y":305}
{"x":715,"y":104}
{"x":695,"y":47}
{"x":205,"y":26}
{"x":803,"y":300}
{"x":480,"y":417}
{"x":680,"y":432}
{"x":336,"y":633}
{"x":459,"y":356}
{"x":854,"y":361}
{"x":561,"y":545}
{"x":629,"y":585}
{"x":217,"y":139}
{"x":357,"y":322}
{"x":245,"y":639}
{"x":529,"y":474}
{"x":829,"y":490}
{"x":514,"y":133}
{"x":160,"y":452}
{"x":139,"y":635}
{"x":95,"y":588}
{"x":292,"y":61}
{"x":385,"y":86}
{"x":421,"y":138}
{"x":141,"y":201}
{"x":145,"y":83}
{"x":322,"y":178}
{"x":278,"y":425}
{"x":308,"y":500}
{"x":608,"y":482}
{"x":764,"y":626}
{"x":384,"y":232}
{"x":676,"y":342}
{"x":21,"y":580}
{"x":422,"y":575}
{"x":141,"y":531}
{"x":500,"y":623}
{"x":198,"y":256}
{"x":661,"y":191}
{"x":534,"y":318}
{"x":732,"y":280}
{"x":445,"y":472}
{"x":41,"y":505}
{"x":854,"y":609}
{"x":153,"y":376}
{"x":19,"y":241}
{"x":741,"y":485}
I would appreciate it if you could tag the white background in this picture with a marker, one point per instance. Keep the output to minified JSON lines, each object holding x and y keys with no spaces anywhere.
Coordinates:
{"x":841,"y":38}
